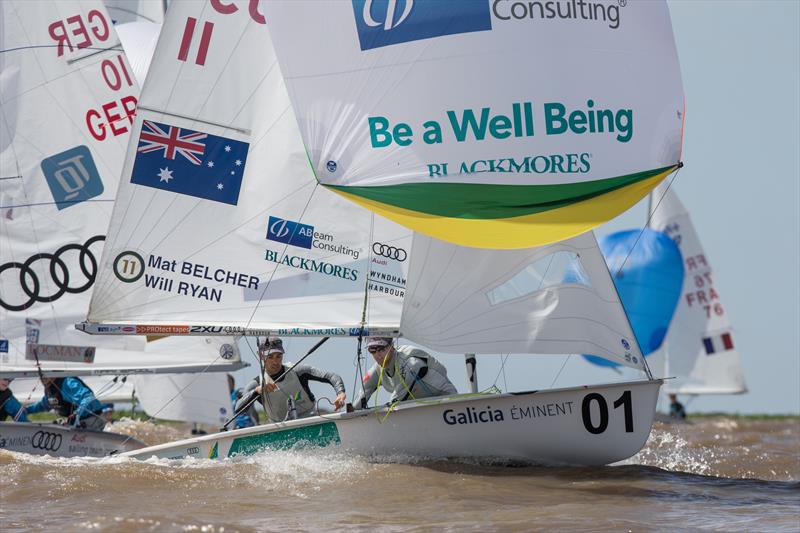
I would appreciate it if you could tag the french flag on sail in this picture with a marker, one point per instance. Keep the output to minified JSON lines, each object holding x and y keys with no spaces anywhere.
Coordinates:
{"x":718,"y":343}
{"x":189,"y":162}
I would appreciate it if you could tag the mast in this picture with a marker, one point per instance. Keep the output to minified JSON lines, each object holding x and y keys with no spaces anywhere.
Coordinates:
{"x":472,"y":376}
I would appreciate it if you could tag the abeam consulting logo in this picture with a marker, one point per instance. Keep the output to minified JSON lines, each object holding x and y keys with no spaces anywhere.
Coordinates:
{"x":290,"y":232}
{"x":303,"y":236}
{"x":72,"y":177}
{"x":386,"y":22}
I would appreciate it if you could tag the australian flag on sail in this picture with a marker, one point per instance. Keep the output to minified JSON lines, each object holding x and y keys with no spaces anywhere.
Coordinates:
{"x":189,"y":162}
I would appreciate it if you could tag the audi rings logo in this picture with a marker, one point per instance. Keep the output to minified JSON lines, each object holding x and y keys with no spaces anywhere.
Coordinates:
{"x":390,"y":252}
{"x":44,"y":440}
{"x":59,"y":274}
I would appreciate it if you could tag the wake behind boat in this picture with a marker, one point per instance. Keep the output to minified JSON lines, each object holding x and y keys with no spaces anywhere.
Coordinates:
{"x":63,"y":441}
{"x":593,"y":425}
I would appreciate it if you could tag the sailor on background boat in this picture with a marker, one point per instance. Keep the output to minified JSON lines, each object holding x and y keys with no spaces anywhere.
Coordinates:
{"x":285,"y":387}
{"x":9,"y":405}
{"x":676,"y":409}
{"x":250,"y":417}
{"x":407,"y":373}
{"x":73,"y":400}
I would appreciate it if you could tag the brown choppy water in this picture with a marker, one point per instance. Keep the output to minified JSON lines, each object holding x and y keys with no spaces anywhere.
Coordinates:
{"x":714,"y":474}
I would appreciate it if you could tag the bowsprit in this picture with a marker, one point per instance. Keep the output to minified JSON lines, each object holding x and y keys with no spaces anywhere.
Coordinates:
{"x":59,"y":272}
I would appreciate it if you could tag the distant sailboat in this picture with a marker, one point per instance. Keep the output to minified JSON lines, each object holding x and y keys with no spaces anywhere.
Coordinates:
{"x":231,"y":219}
{"x":699,"y":349}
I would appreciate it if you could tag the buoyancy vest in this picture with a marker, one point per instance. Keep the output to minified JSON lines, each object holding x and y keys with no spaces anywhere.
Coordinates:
{"x":289,"y":386}
{"x":431,"y":381}
{"x":5,"y":396}
{"x":56,"y":399}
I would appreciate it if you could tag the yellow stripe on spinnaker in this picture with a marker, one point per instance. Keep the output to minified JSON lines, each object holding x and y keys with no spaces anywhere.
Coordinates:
{"x":526,"y":231}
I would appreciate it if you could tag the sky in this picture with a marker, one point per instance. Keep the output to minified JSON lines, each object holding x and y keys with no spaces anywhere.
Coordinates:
{"x":740,"y":62}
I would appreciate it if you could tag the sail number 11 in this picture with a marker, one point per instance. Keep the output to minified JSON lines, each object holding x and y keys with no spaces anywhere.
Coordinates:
{"x":586,"y":410}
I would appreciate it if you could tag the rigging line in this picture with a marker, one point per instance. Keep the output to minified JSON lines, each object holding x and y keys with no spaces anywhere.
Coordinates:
{"x":277,"y":265}
{"x":35,"y":46}
{"x":502,"y":370}
{"x":649,"y":217}
{"x":55,"y":203}
{"x":364,"y":310}
{"x":130,"y":12}
{"x":560,"y":370}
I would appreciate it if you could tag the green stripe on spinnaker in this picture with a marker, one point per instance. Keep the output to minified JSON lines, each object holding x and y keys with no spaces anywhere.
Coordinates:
{"x":484,"y":201}
{"x":316,"y":436}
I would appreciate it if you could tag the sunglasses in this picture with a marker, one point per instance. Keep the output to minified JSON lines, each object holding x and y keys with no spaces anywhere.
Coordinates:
{"x":376,"y":349}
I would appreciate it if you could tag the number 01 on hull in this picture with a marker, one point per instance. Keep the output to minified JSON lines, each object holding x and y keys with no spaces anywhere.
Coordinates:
{"x":591,"y":425}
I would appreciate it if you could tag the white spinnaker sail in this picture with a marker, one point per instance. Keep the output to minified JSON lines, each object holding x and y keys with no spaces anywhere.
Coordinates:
{"x":699,"y":347}
{"x":124,"y":11}
{"x":485,"y":123}
{"x":285,"y":255}
{"x":67,"y":104}
{"x":463,"y":300}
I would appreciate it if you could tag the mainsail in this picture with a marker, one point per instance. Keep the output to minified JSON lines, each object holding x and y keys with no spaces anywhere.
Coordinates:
{"x":699,"y":348}
{"x":221,"y":226}
{"x":489,"y":124}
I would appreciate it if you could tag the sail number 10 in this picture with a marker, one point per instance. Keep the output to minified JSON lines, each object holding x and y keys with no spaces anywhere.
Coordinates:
{"x":586,"y":410}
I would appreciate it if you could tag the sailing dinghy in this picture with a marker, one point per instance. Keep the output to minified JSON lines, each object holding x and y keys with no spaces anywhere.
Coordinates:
{"x":67,"y":104}
{"x":282,"y":193}
{"x":698,"y":350}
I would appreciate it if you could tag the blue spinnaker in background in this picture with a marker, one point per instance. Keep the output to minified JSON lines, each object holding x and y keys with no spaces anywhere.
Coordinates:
{"x":647,"y":268}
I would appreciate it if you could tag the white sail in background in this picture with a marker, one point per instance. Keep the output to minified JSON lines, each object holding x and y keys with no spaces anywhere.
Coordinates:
{"x":203,"y":398}
{"x":699,"y":348}
{"x":282,"y":254}
{"x":124,"y":11}
{"x":67,"y":107}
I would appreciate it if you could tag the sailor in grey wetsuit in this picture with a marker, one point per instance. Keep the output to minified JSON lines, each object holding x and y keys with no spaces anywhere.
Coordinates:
{"x":407,"y":373}
{"x":285,"y":387}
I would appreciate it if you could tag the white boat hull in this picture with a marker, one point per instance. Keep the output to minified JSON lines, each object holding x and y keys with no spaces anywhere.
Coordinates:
{"x":592,"y":425}
{"x":63,"y":441}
